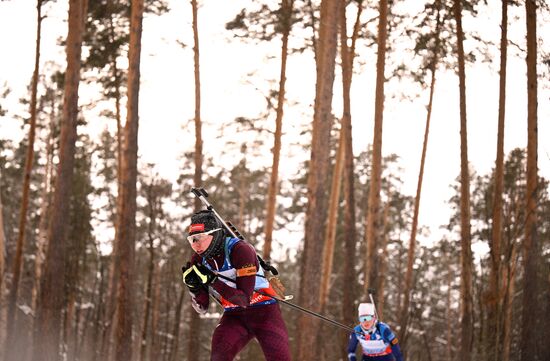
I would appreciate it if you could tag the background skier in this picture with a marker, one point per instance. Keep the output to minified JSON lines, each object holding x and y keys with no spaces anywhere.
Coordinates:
{"x":377,"y":340}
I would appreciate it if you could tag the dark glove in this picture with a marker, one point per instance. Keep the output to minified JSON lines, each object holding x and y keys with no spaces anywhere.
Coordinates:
{"x":190,"y":278}
{"x":205,"y":274}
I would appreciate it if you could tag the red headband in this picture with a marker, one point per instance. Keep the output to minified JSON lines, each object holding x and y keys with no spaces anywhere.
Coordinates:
{"x":199,"y":227}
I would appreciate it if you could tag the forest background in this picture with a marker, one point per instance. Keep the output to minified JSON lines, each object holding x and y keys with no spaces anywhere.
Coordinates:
{"x":421,"y":292}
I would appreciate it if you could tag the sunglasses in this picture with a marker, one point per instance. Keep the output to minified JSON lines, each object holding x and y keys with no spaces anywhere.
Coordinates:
{"x":366,"y":318}
{"x":198,"y":237}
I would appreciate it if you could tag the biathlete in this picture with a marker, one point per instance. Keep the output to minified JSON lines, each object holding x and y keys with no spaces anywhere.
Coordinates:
{"x":247,"y":313}
{"x":377,"y":340}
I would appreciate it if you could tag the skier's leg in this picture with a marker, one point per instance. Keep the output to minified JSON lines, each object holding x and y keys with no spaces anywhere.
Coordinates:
{"x":270,"y":330}
{"x":230,"y":336}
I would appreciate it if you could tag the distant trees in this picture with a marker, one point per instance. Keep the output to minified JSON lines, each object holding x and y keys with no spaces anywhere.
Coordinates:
{"x":431,"y":43}
{"x":263,"y":25}
{"x":88,"y":290}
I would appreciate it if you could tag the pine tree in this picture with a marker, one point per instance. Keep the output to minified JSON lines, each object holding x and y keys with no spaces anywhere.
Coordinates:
{"x":46,"y":337}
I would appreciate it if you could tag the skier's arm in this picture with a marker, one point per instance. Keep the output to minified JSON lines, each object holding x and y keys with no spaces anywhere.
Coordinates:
{"x":243,"y":258}
{"x":396,"y":350}
{"x":392,"y":339}
{"x":352,"y":346}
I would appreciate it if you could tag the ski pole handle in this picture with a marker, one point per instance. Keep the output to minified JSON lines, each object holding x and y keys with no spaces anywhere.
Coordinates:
{"x":201,"y":194}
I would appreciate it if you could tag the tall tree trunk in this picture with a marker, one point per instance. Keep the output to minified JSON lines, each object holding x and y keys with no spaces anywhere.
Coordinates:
{"x":177,"y":323}
{"x":328,"y":250}
{"x":113,"y":275}
{"x":508,"y":305}
{"x":3,"y":315}
{"x":383,"y":261}
{"x":110,"y":304}
{"x":148,"y":296}
{"x":152,"y":274}
{"x":341,"y":155}
{"x":466,"y":323}
{"x":318,"y":176}
{"x":404,"y":312}
{"x":528,"y":343}
{"x":127,"y":216}
{"x":286,"y":9}
{"x":155,"y":309}
{"x":193,"y":345}
{"x":373,"y":206}
{"x":48,"y":323}
{"x":449,"y":330}
{"x":94,"y":351}
{"x":350,"y":232}
{"x":42,"y":239}
{"x":12,"y":332}
{"x":494,"y":300}
{"x":69,"y":315}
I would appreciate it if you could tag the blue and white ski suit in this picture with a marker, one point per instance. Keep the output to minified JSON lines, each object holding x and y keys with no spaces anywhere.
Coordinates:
{"x":380,"y":345}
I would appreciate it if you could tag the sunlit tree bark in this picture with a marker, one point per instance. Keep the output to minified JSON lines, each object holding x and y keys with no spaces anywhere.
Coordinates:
{"x":318,"y":176}
{"x":113,"y":269}
{"x":127,"y":196}
{"x":154,"y":349}
{"x":48,"y":323}
{"x":150,"y":269}
{"x":177,"y":323}
{"x":42,"y":239}
{"x":12,"y":333}
{"x":494,"y":299}
{"x":286,"y":22}
{"x":2,"y":260}
{"x":528,"y":342}
{"x":510,"y":286}
{"x":349,"y":232}
{"x":193,"y":344}
{"x":466,"y":323}
{"x":328,"y":250}
{"x":373,"y":206}
{"x":383,"y":262}
{"x":448,"y":312}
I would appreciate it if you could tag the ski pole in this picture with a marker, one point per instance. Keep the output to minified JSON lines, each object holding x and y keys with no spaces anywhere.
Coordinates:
{"x":371,"y":292}
{"x":295,"y":306}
